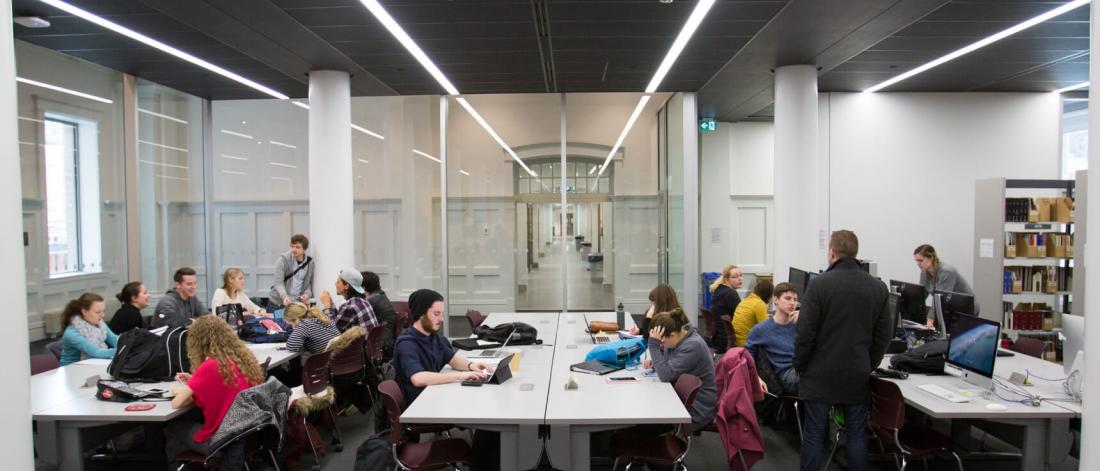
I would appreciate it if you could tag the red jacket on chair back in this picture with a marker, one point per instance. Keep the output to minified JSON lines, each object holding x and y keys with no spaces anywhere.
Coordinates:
{"x":738,"y":389}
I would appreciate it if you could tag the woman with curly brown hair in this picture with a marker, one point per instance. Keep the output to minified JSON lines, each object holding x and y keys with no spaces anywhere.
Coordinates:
{"x":222,"y":366}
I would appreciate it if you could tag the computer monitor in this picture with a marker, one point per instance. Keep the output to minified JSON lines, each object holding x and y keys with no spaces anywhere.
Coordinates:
{"x":892,"y":303}
{"x":911,"y":302}
{"x":958,"y":303}
{"x":972,"y":350}
{"x":797,"y":279}
{"x":1073,"y":327}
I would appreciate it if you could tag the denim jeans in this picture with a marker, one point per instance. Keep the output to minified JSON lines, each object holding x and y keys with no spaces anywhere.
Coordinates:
{"x":816,"y":426}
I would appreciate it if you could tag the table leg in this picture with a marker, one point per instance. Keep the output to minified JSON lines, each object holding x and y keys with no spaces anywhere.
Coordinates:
{"x":45,"y":442}
{"x":557,"y":447}
{"x":1034,"y":446}
{"x":529,"y":447}
{"x":580,"y":444}
{"x":71,"y":450}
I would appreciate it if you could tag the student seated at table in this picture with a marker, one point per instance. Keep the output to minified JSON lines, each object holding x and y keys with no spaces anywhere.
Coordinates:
{"x":663,"y":299}
{"x":222,"y":366}
{"x":355,"y":310}
{"x":753,"y":310}
{"x":775,"y":337}
{"x":313,"y":330}
{"x":134,"y":297}
{"x":86,"y":335}
{"x":179,"y":306}
{"x":419,"y":353}
{"x":676,"y":348}
{"x":232,"y":292}
{"x":383,"y":309}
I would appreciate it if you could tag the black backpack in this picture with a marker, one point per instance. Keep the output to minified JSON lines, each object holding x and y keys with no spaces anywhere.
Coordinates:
{"x":144,"y":356}
{"x":375,"y":453}
{"x":928,"y":358}
{"x":521,"y":333}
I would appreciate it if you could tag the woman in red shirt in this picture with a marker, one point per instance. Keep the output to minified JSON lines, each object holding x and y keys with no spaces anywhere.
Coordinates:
{"x":222,"y":367}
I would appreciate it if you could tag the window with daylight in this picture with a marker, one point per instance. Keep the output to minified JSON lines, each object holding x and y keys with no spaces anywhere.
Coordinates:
{"x":72,"y":190}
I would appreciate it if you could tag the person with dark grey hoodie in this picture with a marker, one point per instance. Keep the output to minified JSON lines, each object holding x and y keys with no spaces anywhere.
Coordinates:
{"x":179,"y":306}
{"x":676,"y":348}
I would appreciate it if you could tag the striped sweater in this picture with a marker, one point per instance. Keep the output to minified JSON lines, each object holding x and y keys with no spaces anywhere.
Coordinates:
{"x":311,"y":335}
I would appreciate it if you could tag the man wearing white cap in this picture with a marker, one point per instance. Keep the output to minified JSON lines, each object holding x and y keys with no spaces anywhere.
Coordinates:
{"x":356,"y":311}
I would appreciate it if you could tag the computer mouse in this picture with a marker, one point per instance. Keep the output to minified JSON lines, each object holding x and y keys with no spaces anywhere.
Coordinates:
{"x":995,"y":406}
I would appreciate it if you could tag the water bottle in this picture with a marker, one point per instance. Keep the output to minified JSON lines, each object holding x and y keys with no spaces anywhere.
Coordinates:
{"x":620,"y":316}
{"x":622,"y":356}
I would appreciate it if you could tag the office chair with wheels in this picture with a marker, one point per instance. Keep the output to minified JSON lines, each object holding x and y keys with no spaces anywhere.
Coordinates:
{"x":887,"y":421}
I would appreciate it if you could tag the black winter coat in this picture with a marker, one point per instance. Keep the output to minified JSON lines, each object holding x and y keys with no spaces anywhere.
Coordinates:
{"x":843,"y":331}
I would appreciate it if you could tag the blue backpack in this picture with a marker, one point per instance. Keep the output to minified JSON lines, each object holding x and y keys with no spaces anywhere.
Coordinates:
{"x":254,"y":331}
{"x":608,"y":353}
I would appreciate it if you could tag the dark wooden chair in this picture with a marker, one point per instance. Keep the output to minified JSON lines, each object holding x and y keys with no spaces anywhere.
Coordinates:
{"x":422,"y":456}
{"x":1029,"y":346}
{"x":887,"y":421}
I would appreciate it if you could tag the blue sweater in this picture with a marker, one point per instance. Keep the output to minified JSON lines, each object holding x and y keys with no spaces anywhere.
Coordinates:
{"x":73,"y":344}
{"x":776,"y":339}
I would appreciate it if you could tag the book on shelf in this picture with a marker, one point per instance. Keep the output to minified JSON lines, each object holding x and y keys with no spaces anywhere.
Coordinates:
{"x":1036,"y":279}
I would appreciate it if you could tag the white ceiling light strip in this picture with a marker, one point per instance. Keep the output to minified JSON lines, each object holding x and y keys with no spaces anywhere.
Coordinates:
{"x":693,"y":22}
{"x":477,"y":117}
{"x":161,"y":116}
{"x":982,"y":43}
{"x":283,"y":144}
{"x":682,"y":39}
{"x":235,"y":133}
{"x":1072,"y":87}
{"x":464,"y":172}
{"x":622,"y":136}
{"x":63,"y":90}
{"x":353,"y":125}
{"x":395,"y":29}
{"x":417,"y":152}
{"x":161,"y":46}
{"x":399,"y":33}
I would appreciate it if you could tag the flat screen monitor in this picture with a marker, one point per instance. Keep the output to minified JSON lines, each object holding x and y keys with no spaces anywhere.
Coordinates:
{"x":893,"y":312}
{"x":797,"y":279}
{"x":958,"y":303}
{"x":810,"y":277}
{"x":1073,"y":327}
{"x":911,"y":301}
{"x":972,"y":350}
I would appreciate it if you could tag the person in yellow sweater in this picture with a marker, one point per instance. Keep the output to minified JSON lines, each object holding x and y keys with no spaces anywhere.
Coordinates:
{"x":753,"y":310}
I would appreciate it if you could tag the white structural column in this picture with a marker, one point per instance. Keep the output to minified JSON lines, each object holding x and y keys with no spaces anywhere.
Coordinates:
{"x":331,"y":221}
{"x":1090,"y":418}
{"x":16,"y":446}
{"x":799,"y":212}
{"x":691,"y":204}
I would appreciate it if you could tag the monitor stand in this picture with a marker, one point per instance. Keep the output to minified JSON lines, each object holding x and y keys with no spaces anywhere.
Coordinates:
{"x":982,"y":382}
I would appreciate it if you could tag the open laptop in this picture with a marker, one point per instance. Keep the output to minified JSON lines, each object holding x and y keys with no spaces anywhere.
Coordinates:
{"x":596,"y":339}
{"x":502,"y":373}
{"x":496,"y":352}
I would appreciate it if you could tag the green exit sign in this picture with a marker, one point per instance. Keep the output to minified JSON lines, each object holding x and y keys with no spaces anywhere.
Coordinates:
{"x":708,"y":125}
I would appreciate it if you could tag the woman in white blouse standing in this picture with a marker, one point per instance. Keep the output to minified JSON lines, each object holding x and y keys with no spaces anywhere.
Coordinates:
{"x":232,"y":292}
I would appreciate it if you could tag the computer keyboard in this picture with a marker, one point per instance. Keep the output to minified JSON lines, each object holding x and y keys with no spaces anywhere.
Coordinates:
{"x":943,"y":393}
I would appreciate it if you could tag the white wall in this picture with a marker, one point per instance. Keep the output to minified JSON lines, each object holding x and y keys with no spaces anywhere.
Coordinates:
{"x":735,"y":189}
{"x":903,"y":166}
{"x":902,"y":170}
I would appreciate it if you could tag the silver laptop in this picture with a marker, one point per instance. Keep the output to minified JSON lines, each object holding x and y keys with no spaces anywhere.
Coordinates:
{"x":497,"y":352}
{"x":596,"y":339}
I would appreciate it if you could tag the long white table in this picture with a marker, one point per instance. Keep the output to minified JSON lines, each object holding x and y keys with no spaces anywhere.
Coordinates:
{"x":573,"y":415}
{"x":61,"y":406}
{"x":515,"y":409}
{"x":1045,"y":437}
{"x":535,"y":396}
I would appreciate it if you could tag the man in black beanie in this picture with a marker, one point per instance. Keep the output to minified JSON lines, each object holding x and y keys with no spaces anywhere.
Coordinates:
{"x":419,"y":354}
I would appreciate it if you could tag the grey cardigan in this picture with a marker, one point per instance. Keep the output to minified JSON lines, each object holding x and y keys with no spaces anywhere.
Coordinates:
{"x":947,"y":279}
{"x":285,"y":266}
{"x":691,"y":356}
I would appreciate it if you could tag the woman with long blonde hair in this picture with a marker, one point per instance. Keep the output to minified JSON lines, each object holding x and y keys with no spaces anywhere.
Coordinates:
{"x":232,"y":292}
{"x":221,"y":366}
{"x":723,"y":303}
{"x":313,"y":330}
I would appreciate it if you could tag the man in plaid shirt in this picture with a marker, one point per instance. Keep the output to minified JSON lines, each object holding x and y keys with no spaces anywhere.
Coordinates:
{"x":356,"y":311}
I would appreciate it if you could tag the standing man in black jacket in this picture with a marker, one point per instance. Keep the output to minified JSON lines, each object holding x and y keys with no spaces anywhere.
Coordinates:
{"x":843,"y":331}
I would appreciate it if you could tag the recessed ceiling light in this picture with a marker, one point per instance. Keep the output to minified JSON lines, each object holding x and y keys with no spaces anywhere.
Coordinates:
{"x":161,"y":46}
{"x":31,"y":22}
{"x":982,"y":43}
{"x":681,"y":41}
